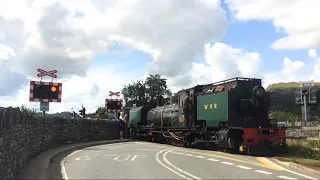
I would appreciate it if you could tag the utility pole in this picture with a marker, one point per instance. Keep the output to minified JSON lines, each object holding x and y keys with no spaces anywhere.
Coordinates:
{"x":305,"y":98}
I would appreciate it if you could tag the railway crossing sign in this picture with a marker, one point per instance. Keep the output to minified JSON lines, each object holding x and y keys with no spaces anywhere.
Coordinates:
{"x":113,"y":105}
{"x":45,"y":92}
{"x":114,"y":93}
{"x":47,"y":73}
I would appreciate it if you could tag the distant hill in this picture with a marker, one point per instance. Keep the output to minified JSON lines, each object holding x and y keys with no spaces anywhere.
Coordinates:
{"x":286,"y":86}
{"x":283,"y":97}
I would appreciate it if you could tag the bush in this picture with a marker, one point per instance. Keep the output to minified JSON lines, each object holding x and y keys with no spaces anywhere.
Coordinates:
{"x":304,"y":149}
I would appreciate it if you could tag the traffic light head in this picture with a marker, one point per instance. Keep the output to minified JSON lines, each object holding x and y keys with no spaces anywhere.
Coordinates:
{"x":53,"y":89}
{"x":114,"y":104}
{"x":45,"y":91}
{"x":42,"y":91}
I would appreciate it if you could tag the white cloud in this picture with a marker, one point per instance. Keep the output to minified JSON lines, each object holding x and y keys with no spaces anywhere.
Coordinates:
{"x":298,"y":19}
{"x":291,"y":71}
{"x":50,"y":35}
{"x":312,"y":53}
{"x":67,"y":35}
{"x":6,"y":52}
{"x":223,"y":62}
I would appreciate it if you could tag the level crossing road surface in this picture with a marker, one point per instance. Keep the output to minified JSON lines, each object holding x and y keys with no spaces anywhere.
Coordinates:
{"x":142,"y":160}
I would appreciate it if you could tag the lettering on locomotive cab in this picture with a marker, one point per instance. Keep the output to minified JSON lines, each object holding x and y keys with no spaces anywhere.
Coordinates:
{"x":210,"y":105}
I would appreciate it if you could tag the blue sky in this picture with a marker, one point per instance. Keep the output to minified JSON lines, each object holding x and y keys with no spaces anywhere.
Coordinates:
{"x":253,"y":36}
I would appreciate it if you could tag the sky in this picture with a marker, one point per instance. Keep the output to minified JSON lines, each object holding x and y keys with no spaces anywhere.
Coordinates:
{"x":99,"y":46}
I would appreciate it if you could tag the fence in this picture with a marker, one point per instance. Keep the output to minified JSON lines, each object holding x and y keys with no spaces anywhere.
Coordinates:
{"x":290,"y":124}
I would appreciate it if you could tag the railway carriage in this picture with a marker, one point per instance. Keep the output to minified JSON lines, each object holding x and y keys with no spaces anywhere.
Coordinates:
{"x":232,"y":114}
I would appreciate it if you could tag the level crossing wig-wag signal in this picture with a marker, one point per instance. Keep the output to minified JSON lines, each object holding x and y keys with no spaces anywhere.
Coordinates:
{"x":113,"y":104}
{"x":45,"y":92}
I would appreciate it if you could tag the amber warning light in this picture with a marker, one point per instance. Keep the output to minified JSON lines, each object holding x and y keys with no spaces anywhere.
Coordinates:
{"x":53,"y":89}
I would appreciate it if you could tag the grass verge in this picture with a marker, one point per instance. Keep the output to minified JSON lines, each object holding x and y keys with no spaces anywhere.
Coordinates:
{"x":303,"y":152}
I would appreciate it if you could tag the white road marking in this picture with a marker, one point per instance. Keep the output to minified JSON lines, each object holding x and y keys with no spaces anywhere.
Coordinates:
{"x":244,"y":167}
{"x":228,"y":163}
{"x":132,"y":149}
{"x":263,"y":172}
{"x":170,"y":169}
{"x":137,"y":156}
{"x":127,"y":157}
{"x":63,"y":167}
{"x":188,"y":154}
{"x":77,"y":159}
{"x":175,"y":167}
{"x":285,"y":177}
{"x":200,"y":157}
{"x":290,"y":170}
{"x":210,"y":159}
{"x":176,"y":152}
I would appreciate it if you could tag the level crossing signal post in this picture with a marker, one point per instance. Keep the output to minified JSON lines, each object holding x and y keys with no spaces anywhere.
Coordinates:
{"x":113,"y":105}
{"x":306,"y":97}
{"x":82,"y":113}
{"x":45,"y":92}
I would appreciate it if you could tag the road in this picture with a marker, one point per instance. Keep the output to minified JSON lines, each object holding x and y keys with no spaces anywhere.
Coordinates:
{"x":141,"y":160}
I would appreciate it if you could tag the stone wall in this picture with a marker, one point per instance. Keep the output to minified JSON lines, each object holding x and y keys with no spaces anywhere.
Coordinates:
{"x":23,"y":136}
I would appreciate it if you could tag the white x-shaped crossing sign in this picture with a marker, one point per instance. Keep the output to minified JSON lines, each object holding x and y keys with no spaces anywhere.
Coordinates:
{"x":47,"y":73}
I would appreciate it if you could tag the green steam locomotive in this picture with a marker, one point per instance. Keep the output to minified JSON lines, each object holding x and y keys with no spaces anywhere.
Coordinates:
{"x":232,"y":114}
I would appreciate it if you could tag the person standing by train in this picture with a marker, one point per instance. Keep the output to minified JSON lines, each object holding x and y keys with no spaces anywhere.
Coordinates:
{"x":122,"y":120}
{"x":187,"y":109}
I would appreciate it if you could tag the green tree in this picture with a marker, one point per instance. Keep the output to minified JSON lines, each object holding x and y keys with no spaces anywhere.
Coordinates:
{"x":147,"y":92}
{"x":101,"y":113}
{"x":135,"y":93}
{"x":157,"y":90}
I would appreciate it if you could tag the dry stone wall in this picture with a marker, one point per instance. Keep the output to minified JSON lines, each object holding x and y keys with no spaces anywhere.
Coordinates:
{"x":23,"y":136}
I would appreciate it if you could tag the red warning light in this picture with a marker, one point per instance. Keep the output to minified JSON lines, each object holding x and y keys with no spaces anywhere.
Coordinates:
{"x":119,"y":103}
{"x":53,"y":89}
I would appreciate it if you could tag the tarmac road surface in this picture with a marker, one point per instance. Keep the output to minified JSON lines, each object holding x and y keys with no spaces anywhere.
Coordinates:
{"x":141,"y":160}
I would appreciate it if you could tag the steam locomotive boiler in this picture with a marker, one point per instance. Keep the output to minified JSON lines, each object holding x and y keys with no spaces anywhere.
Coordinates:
{"x":232,"y":114}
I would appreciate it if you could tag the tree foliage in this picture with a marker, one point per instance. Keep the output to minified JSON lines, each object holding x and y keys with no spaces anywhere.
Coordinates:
{"x":285,"y":116}
{"x":290,"y":116}
{"x":151,"y":92}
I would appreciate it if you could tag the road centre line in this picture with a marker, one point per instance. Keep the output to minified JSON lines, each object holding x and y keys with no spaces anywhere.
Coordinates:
{"x":264,"y":165}
{"x":228,"y":163}
{"x":175,"y":167}
{"x":229,"y":158}
{"x":285,"y":177}
{"x":244,"y":167}
{"x":165,"y":166}
{"x":263,"y":172}
{"x":132,"y":149}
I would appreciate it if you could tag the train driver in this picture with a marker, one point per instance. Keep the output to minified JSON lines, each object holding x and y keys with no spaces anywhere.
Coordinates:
{"x":187,"y":109}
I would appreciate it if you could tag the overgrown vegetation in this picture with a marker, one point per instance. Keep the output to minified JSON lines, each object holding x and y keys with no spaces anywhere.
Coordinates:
{"x":308,"y":149}
{"x":283,"y":102}
{"x":303,"y":152}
